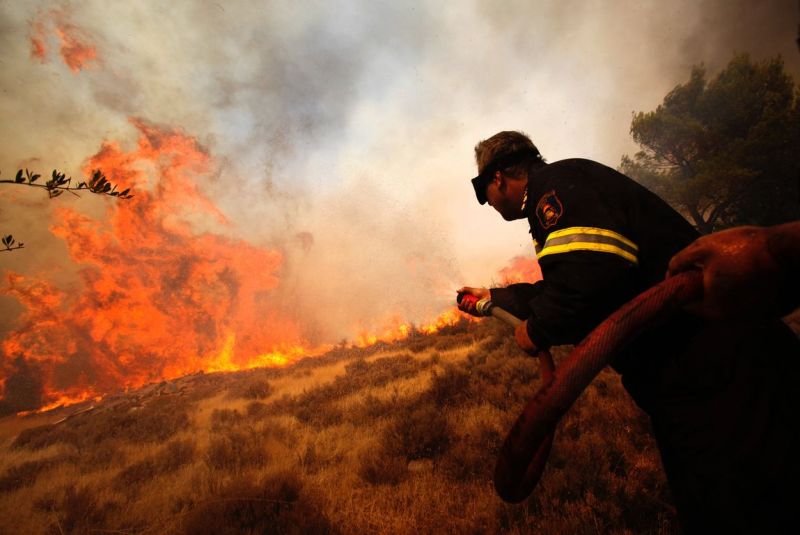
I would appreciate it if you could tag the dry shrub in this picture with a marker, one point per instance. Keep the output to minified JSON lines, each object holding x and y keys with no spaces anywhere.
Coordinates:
{"x":276,"y":504}
{"x":491,"y":343}
{"x":157,"y":420}
{"x":43,"y":436}
{"x":25,"y":474}
{"x":472,"y":457}
{"x":378,"y":467}
{"x":76,"y":510}
{"x":421,"y":432}
{"x":505,"y":377}
{"x":252,"y":389}
{"x":370,"y":408}
{"x":257,"y":410}
{"x":237,"y":448}
{"x":154,"y":420}
{"x":452,"y":387}
{"x":316,"y":407}
{"x":362,"y":374}
{"x":319,"y":415}
{"x":420,"y":343}
{"x":101,"y":456}
{"x":225,"y":418}
{"x":310,"y":460}
{"x":443,"y":343}
{"x":281,"y":433}
{"x":176,"y":454}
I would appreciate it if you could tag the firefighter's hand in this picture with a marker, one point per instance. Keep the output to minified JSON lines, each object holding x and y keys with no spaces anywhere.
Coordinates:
{"x":740,"y":274}
{"x":523,"y":340}
{"x":468,"y":305}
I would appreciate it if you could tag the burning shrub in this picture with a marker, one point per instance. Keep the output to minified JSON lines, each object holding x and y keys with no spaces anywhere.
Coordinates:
{"x":422,"y":432}
{"x":176,"y":454}
{"x":274,"y":505}
{"x":379,"y":467}
{"x":236,"y":449}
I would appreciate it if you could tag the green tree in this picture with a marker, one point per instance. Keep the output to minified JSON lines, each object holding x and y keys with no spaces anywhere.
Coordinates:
{"x":724,"y":152}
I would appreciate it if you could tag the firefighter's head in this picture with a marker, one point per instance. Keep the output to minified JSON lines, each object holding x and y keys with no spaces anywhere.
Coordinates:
{"x":503,"y":163}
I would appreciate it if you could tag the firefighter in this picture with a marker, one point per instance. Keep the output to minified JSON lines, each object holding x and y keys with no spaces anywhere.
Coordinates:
{"x":719,"y":394}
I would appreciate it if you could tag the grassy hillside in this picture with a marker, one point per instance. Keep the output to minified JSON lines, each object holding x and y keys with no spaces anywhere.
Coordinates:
{"x":390,"y":439}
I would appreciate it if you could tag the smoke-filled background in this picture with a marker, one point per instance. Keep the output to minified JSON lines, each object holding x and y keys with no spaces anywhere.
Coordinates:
{"x":299,"y":170}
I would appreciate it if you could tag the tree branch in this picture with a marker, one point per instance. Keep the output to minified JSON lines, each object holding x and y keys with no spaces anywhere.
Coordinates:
{"x":57,"y":185}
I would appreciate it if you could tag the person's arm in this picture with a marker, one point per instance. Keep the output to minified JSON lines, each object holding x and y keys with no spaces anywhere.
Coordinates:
{"x":513,"y":298}
{"x":516,"y":298}
{"x":579,"y":291}
{"x":747,"y":271}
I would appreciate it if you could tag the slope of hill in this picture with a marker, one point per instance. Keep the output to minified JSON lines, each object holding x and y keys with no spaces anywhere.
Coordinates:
{"x":397,"y":438}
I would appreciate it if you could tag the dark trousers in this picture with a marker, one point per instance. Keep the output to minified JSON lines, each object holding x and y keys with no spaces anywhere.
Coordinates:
{"x":724,"y":400}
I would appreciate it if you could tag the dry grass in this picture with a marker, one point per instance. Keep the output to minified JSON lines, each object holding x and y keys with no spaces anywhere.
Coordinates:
{"x":389,"y":439}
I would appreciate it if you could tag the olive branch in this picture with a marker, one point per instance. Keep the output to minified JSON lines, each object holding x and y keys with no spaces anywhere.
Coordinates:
{"x":56,"y":186}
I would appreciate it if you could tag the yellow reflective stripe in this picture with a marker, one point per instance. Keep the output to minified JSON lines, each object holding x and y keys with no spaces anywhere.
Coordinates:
{"x":591,"y":230}
{"x":536,"y":246}
{"x":587,"y":246}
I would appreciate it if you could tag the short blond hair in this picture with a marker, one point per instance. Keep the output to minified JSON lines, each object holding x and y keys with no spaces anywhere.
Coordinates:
{"x":502,"y":144}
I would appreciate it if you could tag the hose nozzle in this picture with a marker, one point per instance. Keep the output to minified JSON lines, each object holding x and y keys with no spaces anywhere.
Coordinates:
{"x":483,"y":307}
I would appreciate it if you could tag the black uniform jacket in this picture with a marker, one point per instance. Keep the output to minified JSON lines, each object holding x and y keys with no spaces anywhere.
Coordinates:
{"x":720,"y":395}
{"x":601,"y":239}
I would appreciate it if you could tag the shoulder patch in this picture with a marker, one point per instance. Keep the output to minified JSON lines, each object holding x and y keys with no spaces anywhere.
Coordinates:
{"x":549,"y":209}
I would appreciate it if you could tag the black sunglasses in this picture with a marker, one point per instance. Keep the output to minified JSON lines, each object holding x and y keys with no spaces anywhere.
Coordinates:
{"x":482,"y":181}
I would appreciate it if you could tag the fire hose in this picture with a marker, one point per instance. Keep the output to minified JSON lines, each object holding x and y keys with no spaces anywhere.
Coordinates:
{"x":524,"y":453}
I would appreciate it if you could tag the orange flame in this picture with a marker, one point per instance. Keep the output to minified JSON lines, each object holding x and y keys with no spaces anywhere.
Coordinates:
{"x":76,"y":50}
{"x":395,"y":329}
{"x":38,"y":47}
{"x":521,"y":269}
{"x":159,"y":300}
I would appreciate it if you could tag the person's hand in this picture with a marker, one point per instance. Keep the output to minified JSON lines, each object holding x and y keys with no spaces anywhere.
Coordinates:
{"x":740,"y":274}
{"x":468,"y":305}
{"x":523,"y":340}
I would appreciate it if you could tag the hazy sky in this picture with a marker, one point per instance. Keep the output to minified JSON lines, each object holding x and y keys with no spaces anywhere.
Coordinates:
{"x":341,"y":133}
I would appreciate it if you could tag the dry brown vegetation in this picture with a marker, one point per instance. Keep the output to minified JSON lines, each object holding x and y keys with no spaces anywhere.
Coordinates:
{"x":390,"y":439}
